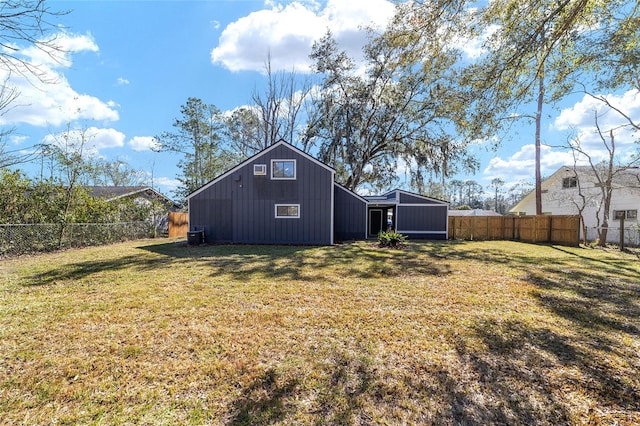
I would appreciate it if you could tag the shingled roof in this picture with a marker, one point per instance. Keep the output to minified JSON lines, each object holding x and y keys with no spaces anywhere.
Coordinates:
{"x":111,"y":193}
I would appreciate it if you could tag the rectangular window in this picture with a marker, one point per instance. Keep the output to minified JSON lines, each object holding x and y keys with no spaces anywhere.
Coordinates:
{"x":283,"y":169}
{"x":288,"y":211}
{"x":570,"y":182}
{"x":619,"y":214}
{"x":259,"y":169}
{"x":632,"y":214}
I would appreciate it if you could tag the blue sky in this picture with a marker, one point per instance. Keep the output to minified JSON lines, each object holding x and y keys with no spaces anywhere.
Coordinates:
{"x":132,"y":64}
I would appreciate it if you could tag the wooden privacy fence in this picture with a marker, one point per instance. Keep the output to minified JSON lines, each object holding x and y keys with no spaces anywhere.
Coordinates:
{"x":178,"y":224}
{"x":533,"y":229}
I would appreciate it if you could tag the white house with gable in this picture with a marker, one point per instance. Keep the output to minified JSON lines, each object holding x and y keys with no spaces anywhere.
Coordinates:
{"x":571,"y":189}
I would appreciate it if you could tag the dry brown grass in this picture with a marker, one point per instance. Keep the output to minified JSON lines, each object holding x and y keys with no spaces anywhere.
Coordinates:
{"x":447,"y":333}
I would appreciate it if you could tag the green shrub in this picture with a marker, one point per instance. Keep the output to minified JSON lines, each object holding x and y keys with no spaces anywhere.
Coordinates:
{"x":391,"y":239}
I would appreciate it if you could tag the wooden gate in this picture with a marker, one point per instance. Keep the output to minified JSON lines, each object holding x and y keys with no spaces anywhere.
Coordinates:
{"x":178,"y":224}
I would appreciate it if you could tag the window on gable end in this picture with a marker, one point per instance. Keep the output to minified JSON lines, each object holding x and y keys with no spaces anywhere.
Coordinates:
{"x":283,"y":169}
{"x":570,"y":182}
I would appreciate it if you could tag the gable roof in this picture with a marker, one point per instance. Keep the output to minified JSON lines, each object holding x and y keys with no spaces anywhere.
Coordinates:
{"x":281,"y":142}
{"x":396,"y":192}
{"x":473,"y":212}
{"x":110,"y":193}
{"x":350,"y":192}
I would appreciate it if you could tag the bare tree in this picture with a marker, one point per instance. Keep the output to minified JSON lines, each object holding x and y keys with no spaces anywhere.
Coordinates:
{"x":273,"y":115}
{"x":69,"y":151}
{"x":23,"y":23}
{"x":604,"y":173}
{"x":279,"y":107}
{"x":8,"y":94}
{"x":583,"y":198}
{"x":27,"y":22}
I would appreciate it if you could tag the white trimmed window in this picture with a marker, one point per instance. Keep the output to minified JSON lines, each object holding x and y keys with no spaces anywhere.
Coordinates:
{"x":283,"y":169}
{"x":625,"y":214}
{"x":259,"y":169}
{"x":287,"y":211}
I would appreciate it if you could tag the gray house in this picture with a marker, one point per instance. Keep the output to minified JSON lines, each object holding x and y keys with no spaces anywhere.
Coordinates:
{"x":414,"y":215}
{"x":282,"y":195}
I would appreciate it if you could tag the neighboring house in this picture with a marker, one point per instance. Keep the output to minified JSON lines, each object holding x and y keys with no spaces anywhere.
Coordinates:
{"x":473,"y":212}
{"x":138,"y":193}
{"x":143,"y":196}
{"x":570,"y":189}
{"x":283,"y":195}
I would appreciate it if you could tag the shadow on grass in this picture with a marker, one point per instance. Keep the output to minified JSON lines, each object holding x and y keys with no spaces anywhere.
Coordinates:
{"x":244,"y":262}
{"x":85,"y":269}
{"x":543,"y":257}
{"x":350,"y":379}
{"x":356,"y":260}
{"x":338,"y":398}
{"x":588,"y":351}
{"x":511,"y":382}
{"x":533,"y":375}
{"x":264,"y":401}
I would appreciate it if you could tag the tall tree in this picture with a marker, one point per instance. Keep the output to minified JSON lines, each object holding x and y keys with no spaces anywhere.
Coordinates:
{"x":539,"y":49}
{"x":274,"y":114}
{"x":518,"y":62}
{"x":497,"y":184}
{"x":242,"y":131}
{"x":394,"y":108}
{"x":197,"y":138}
{"x":456,"y":192}
{"x":279,"y":107}
{"x":473,"y":192}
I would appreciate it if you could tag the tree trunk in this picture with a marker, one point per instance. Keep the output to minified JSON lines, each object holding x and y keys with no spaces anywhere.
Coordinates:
{"x":538,"y":131}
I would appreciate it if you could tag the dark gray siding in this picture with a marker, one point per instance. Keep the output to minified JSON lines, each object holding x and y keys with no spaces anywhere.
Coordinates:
{"x":350,"y":216}
{"x":422,"y":222}
{"x":240,"y":207}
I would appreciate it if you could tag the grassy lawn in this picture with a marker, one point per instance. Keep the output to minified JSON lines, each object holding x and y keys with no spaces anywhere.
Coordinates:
{"x":151,"y":332}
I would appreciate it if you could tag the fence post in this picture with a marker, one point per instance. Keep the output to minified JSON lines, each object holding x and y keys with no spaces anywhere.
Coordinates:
{"x":452,"y":227}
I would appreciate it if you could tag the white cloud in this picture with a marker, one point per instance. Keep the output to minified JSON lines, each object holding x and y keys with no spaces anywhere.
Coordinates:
{"x":143,"y":143}
{"x":121,"y":81}
{"x":58,"y":53}
{"x":105,"y":138}
{"x":95,"y":139}
{"x":580,"y":120}
{"x":50,"y":100}
{"x":521,"y":165}
{"x":18,"y":139}
{"x":169,"y":184}
{"x":582,"y":114}
{"x":287,"y":32}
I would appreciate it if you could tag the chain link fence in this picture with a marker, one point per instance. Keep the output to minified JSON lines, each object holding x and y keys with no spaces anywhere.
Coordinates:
{"x":37,"y":238}
{"x":631,"y":235}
